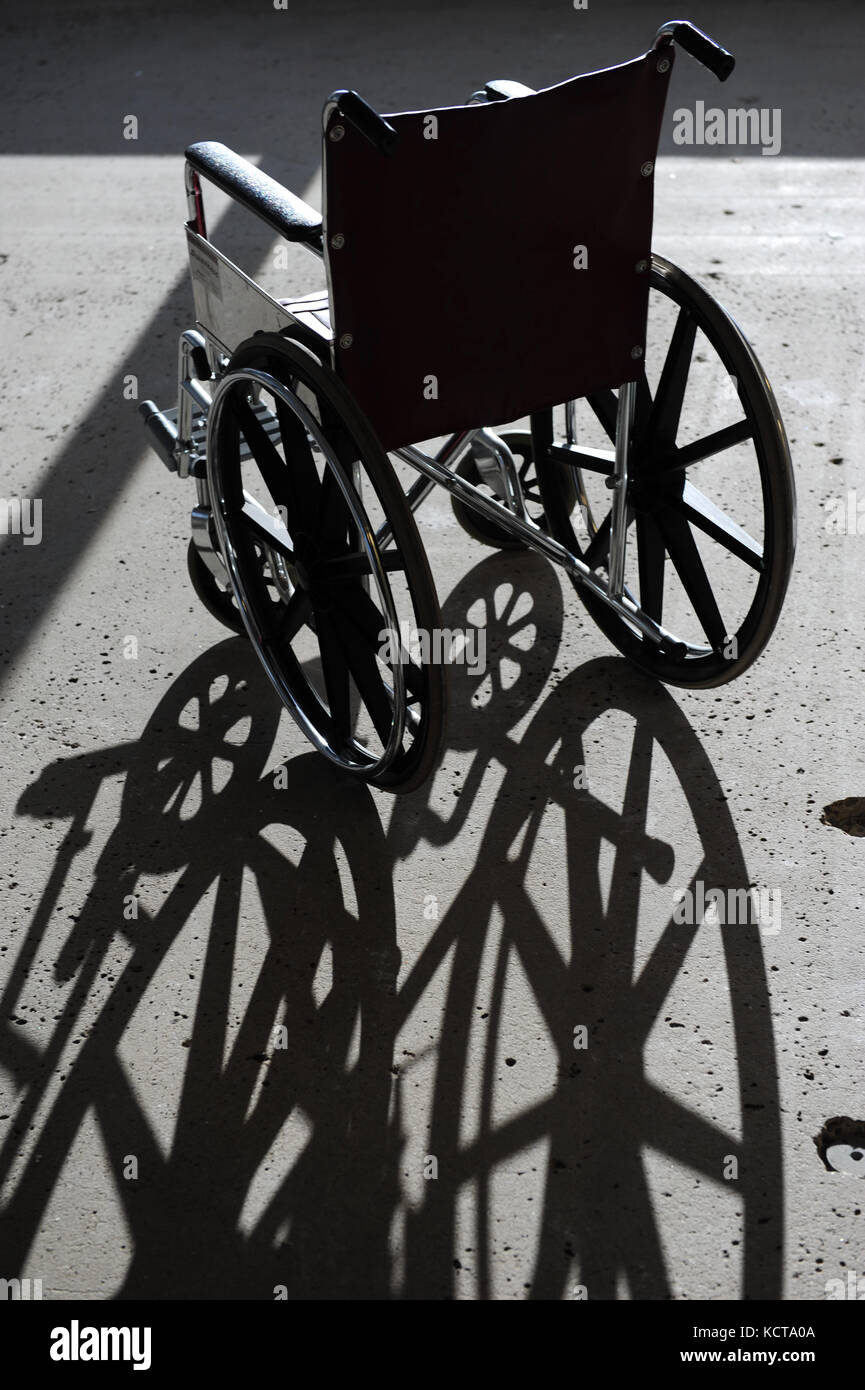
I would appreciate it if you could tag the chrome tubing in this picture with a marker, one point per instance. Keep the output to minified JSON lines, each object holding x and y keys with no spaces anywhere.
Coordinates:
{"x":619,"y":520}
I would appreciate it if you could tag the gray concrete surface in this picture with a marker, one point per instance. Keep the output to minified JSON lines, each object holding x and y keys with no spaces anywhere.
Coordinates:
{"x":431,"y":957}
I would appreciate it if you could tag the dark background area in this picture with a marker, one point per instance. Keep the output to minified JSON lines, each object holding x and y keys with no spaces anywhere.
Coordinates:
{"x":256,"y":78}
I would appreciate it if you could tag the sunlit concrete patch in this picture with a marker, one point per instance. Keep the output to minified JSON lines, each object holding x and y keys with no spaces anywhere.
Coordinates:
{"x":84,"y":1243}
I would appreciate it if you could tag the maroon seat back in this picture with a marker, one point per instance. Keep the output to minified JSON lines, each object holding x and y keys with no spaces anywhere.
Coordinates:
{"x":455,"y":296}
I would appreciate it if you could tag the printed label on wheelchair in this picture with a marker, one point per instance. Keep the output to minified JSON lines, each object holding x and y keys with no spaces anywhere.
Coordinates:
{"x":230,"y":307}
{"x":630,"y":436}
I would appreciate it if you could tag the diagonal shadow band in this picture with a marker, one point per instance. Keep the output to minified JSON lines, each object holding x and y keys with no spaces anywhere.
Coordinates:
{"x":77,"y":499}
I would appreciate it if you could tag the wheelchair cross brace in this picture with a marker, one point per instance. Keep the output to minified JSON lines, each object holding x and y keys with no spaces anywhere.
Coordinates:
{"x":438,"y":470}
{"x":179,"y":437}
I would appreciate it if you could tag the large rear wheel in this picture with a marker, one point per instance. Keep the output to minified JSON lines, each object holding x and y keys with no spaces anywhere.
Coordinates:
{"x":339,"y":613}
{"x":711,"y":500}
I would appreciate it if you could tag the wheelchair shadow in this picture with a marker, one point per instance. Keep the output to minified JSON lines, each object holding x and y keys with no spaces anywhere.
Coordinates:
{"x":604,"y":1110}
{"x":293,"y":1097}
{"x":237,"y":1085}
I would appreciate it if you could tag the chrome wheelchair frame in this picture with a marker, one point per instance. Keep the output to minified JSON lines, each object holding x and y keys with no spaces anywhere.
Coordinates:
{"x":223,"y":422}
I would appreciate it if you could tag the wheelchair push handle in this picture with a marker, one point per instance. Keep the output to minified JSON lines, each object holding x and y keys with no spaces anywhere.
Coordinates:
{"x":698,"y":44}
{"x":361,"y":116}
{"x":382,"y":136}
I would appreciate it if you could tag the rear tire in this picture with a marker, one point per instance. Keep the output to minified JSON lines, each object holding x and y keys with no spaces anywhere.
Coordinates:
{"x":294,"y":468}
{"x":730,"y":541}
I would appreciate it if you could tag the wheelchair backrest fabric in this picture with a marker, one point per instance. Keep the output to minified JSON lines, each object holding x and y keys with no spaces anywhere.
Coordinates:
{"x":460,"y":292}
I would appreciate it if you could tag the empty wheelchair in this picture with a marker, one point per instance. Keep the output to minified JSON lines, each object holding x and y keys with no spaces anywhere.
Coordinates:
{"x":574,"y":393}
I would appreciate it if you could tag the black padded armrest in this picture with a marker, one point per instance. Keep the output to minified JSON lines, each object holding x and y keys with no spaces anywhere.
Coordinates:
{"x":281,"y":210}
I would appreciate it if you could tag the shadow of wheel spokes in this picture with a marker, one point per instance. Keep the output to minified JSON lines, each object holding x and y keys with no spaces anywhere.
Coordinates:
{"x":233,"y":1090}
{"x":595,"y":1214}
{"x":602,"y":1111}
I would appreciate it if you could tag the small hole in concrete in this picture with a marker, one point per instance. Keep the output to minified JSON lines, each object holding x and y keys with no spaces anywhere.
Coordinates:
{"x":841,"y":1145}
{"x":848,"y":815}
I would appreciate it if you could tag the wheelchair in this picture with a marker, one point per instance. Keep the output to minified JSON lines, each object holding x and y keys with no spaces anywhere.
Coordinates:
{"x":573,"y":392}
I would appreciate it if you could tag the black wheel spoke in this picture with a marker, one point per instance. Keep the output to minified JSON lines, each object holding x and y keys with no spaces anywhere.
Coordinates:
{"x":589,"y":460}
{"x":413,"y":676}
{"x":335,"y":670}
{"x":271,"y":467}
{"x":366,"y":672}
{"x":291,"y":617}
{"x":701,"y":512}
{"x":362,"y":610}
{"x":605,"y":408}
{"x":303,"y":474}
{"x":643,"y":409}
{"x":691,"y":570}
{"x":599,"y":546}
{"x":356,"y":564}
{"x":266,"y":528}
{"x":292,"y":483}
{"x":706,"y":447}
{"x":333,"y":519}
{"x":667,"y":410}
{"x":651,"y":557}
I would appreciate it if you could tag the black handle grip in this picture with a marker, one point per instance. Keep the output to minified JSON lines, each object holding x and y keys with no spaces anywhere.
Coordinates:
{"x":366,"y":121}
{"x":699,"y":45}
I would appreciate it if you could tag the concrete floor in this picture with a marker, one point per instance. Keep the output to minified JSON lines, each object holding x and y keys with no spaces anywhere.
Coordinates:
{"x":431,"y":957}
